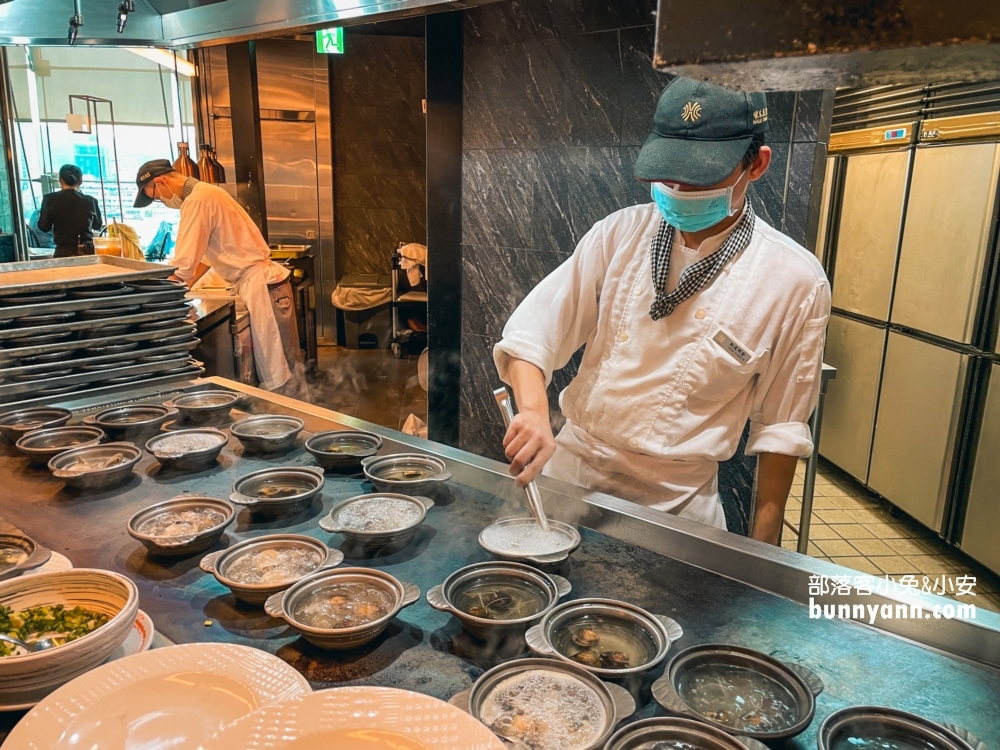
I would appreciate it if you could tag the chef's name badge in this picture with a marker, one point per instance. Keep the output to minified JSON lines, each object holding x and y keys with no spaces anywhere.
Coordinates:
{"x":732,"y":348}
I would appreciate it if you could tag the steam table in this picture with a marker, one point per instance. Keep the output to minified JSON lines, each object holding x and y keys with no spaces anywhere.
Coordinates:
{"x":425,"y":650}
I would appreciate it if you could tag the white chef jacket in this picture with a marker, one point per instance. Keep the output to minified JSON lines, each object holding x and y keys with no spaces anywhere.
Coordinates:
{"x":215,"y":229}
{"x":657,"y":404}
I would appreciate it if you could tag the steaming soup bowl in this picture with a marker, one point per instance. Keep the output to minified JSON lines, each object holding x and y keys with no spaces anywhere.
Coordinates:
{"x":443,"y":597}
{"x":283,"y":604}
{"x":219,"y":564}
{"x":617,"y":702}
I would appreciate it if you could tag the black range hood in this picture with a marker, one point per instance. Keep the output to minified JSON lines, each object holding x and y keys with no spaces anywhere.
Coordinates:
{"x":814,"y":44}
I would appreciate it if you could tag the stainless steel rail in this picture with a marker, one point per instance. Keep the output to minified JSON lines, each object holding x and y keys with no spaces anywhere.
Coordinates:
{"x":809,"y":485}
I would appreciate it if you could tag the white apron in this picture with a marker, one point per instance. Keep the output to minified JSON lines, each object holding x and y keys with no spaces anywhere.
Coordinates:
{"x":688,"y":489}
{"x":268,"y":352}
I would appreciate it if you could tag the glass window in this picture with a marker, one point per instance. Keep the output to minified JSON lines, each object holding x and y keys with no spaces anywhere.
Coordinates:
{"x":145,"y":100}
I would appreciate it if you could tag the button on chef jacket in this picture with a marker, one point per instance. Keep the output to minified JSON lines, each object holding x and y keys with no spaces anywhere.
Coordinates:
{"x":215,"y":229}
{"x":657,"y":404}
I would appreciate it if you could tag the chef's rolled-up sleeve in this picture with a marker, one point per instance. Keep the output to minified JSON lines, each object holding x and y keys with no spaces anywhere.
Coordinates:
{"x":559,"y":315}
{"x":788,"y":389}
{"x":193,"y":236}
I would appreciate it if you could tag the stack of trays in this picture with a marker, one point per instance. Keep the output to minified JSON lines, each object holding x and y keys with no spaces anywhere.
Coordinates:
{"x":81,"y":326}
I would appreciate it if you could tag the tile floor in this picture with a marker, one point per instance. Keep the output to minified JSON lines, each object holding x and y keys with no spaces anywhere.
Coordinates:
{"x":852,"y":527}
{"x":369,"y":384}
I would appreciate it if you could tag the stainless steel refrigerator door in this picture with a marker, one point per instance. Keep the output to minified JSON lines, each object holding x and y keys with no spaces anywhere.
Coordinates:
{"x":918,"y":416}
{"x":981,"y":534}
{"x":824,"y":209}
{"x":948,"y":219}
{"x":855,"y":349}
{"x":870,"y":219}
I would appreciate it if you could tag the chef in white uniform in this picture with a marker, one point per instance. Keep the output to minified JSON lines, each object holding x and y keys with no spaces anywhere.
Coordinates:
{"x":696,"y":316}
{"x":215,"y":232}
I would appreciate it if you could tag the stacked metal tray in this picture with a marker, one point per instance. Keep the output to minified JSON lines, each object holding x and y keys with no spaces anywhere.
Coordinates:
{"x":80,"y":326}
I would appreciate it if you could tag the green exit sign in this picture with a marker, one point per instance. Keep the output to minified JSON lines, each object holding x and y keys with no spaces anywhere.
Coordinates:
{"x":330,"y":41}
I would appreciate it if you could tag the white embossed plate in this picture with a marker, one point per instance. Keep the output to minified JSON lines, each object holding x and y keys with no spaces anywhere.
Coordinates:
{"x":358,"y":718}
{"x":174,"y":697}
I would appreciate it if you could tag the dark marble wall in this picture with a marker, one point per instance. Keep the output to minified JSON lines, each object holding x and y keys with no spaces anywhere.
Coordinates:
{"x":559,"y":96}
{"x":379,"y":150}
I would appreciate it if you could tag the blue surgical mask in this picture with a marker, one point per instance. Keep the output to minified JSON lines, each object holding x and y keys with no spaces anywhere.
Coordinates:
{"x":694,"y":210}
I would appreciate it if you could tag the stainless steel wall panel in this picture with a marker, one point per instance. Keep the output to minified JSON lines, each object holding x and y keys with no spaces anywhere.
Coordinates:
{"x":870,"y":219}
{"x":223,"y":127}
{"x":326,"y":267}
{"x":285,"y":78}
{"x":981,"y":535}
{"x":948,"y":218}
{"x":915,"y":430}
{"x":290,"y":176}
{"x":219,"y":83}
{"x":856,"y":350}
{"x":824,"y":210}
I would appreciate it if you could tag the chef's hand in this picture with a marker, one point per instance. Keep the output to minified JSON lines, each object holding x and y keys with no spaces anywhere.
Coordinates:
{"x":528,"y":443}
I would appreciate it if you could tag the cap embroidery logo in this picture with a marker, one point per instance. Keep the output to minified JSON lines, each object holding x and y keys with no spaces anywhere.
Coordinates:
{"x":759,"y":116}
{"x":691,"y":112}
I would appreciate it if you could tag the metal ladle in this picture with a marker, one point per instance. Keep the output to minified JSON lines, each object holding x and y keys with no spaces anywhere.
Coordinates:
{"x":43,"y":643}
{"x":531,"y":489}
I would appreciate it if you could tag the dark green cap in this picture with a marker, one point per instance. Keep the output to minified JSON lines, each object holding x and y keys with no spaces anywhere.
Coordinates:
{"x":700,"y":132}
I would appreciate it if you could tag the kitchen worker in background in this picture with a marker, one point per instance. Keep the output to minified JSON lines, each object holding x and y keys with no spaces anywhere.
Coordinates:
{"x":696,"y":315}
{"x":215,"y":232}
{"x":70,"y":215}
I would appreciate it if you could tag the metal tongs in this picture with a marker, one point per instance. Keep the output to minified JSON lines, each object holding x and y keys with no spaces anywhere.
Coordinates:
{"x":531,"y":489}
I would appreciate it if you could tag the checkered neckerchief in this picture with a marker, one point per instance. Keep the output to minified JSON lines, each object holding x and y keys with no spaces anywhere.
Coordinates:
{"x":699,"y":274}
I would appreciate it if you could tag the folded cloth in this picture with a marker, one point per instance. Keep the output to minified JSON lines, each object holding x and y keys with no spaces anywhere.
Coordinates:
{"x":414,"y":262}
{"x":360,"y":297}
{"x":129,"y":238}
{"x":414,"y":251}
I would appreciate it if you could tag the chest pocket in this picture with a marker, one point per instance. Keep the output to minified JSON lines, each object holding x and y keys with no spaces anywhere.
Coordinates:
{"x":722,"y":367}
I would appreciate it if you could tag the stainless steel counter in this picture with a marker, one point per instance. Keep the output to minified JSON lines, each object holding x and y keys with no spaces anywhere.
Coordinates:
{"x":719,"y":587}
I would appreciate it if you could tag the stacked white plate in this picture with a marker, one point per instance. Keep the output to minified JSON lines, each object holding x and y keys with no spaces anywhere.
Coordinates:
{"x":358,"y":718}
{"x":175,"y":697}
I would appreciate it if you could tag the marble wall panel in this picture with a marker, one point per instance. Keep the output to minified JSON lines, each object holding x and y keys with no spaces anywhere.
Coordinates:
{"x":367,"y":237}
{"x":482,"y":438}
{"x":479,"y":379}
{"x":641,"y":85}
{"x":768,"y":193}
{"x":379,"y":151}
{"x":401,"y":157}
{"x":402,"y":190}
{"x":811,"y":122}
{"x":494,"y":282}
{"x":802,"y":199}
{"x":780,"y":116}
{"x":498,"y":197}
{"x":736,"y":487}
{"x":377,"y":69}
{"x":552,"y":92}
{"x":573,"y":189}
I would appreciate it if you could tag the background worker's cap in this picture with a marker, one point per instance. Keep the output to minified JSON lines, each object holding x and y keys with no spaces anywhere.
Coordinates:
{"x":148,"y":172}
